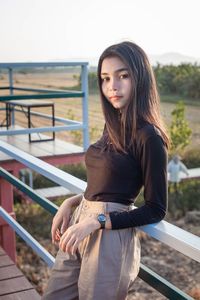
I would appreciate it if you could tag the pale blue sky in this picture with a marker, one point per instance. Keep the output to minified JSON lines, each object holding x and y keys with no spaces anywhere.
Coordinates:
{"x":42,"y":30}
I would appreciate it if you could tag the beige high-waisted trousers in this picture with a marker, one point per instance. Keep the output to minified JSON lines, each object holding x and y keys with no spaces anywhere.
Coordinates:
{"x":104,"y":265}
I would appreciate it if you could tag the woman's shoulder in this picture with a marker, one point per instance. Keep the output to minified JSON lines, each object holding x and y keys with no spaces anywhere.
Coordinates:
{"x":149,"y":140}
{"x":146,"y":131}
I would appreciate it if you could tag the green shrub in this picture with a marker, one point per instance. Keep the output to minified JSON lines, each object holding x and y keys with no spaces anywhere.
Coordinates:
{"x":77,"y":170}
{"x":187,"y":198}
{"x":192,"y":158}
{"x":180,"y":131}
{"x":191,"y":194}
{"x":41,"y":182}
{"x":34,"y":219}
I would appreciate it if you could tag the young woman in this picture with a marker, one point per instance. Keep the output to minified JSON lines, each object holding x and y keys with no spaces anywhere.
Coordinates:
{"x":99,"y":248}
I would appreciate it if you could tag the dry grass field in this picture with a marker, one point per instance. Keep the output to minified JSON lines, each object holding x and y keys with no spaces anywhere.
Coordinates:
{"x":71,"y":108}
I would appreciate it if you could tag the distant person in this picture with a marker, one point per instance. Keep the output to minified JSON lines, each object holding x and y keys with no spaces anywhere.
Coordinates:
{"x":99,"y":247}
{"x":174,"y":168}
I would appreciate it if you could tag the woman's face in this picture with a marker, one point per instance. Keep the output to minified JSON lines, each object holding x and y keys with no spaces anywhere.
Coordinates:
{"x":116,"y":82}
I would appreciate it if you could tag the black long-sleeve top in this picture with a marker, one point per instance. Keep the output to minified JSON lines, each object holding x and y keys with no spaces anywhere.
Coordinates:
{"x":119,"y":177}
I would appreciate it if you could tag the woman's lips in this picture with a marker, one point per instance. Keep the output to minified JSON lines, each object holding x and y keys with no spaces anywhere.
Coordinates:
{"x":115,"y":97}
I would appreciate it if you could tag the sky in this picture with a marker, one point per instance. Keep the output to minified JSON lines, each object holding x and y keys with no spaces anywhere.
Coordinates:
{"x":47,"y":30}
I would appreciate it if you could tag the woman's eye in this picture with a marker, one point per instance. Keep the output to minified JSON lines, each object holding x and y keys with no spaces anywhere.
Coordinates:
{"x":123,"y":76}
{"x":105,"y":79}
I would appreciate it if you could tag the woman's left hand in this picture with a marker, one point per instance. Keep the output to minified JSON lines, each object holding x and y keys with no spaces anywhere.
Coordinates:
{"x":74,"y":234}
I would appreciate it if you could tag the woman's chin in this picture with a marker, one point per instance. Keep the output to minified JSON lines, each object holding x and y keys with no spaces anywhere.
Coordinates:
{"x":118,"y":106}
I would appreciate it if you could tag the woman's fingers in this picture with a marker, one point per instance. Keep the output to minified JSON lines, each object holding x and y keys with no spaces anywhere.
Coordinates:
{"x":60,"y":219}
{"x":70,"y":244}
{"x":75,"y":247}
{"x":57,"y":235}
{"x":72,"y":237}
{"x":64,"y":225}
{"x":69,"y":238}
{"x":57,"y":221}
{"x":55,"y":228}
{"x":66,"y":241}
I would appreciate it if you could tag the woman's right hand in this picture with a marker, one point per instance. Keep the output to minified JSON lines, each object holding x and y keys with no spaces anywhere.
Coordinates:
{"x":62,"y":217}
{"x":60,"y":222}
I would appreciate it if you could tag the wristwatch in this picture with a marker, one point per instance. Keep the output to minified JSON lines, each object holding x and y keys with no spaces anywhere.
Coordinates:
{"x":102,"y":220}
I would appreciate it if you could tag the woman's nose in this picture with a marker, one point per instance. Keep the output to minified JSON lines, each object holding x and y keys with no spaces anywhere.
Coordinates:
{"x":113,"y":86}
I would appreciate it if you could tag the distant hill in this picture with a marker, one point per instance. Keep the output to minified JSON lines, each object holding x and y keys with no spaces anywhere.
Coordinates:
{"x":172,"y":58}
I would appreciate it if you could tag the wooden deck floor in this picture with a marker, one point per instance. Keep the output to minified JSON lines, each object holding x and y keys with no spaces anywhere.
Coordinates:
{"x":13,"y":284}
{"x":39,"y":149}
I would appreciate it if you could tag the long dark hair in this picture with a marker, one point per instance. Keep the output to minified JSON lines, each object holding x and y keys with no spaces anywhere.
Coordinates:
{"x":144,"y":103}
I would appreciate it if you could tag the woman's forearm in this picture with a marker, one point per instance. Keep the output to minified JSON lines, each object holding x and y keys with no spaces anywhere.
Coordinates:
{"x":72,"y":201}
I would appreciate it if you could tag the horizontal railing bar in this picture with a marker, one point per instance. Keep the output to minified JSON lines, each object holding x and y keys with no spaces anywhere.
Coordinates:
{"x":45,"y":203}
{"x":39,"y":90}
{"x":162,"y":285}
{"x":43,"y":90}
{"x":193,"y":173}
{"x":4,"y":87}
{"x":42,"y":64}
{"x":175,"y":237}
{"x":40,"y":129}
{"x":42,"y":96}
{"x":58,"y":119}
{"x":33,"y":243}
{"x":46,"y":116}
{"x":35,"y":90}
{"x":60,"y":177}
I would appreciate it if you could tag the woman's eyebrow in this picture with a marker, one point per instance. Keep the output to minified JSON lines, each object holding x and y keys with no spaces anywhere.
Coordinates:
{"x":116,"y":71}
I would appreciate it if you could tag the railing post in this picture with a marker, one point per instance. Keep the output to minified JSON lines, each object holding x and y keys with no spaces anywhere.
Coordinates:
{"x":10,"y":74}
{"x":7,"y":235}
{"x":84,"y":87}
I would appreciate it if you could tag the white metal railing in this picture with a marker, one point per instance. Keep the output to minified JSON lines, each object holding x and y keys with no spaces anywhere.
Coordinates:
{"x":49,"y":94}
{"x":169,"y":234}
{"x":60,"y":177}
{"x":40,"y":130}
{"x":193,"y":173}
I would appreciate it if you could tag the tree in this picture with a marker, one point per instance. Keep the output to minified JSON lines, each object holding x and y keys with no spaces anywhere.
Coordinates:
{"x":180,"y":131}
{"x":181,"y":80}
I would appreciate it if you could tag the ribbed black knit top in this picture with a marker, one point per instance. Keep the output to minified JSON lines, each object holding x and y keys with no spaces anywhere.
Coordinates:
{"x":119,"y":177}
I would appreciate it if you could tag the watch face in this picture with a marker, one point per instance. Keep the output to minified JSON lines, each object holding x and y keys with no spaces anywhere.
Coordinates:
{"x":101,"y":218}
